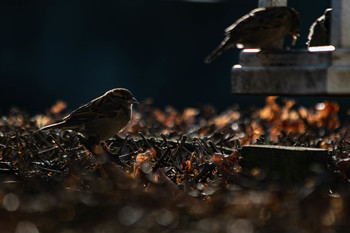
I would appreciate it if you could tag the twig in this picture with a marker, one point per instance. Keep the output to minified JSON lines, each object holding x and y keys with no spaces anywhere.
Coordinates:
{"x":166,"y":153}
{"x":182,"y":143}
{"x":53,"y":138}
{"x":207,"y":169}
{"x":145,"y":140}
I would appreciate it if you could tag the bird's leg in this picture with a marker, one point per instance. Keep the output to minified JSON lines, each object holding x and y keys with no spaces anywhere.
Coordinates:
{"x":93,"y":145}
{"x":113,"y":156}
{"x":104,"y":157}
{"x":118,"y":138}
{"x":101,"y":151}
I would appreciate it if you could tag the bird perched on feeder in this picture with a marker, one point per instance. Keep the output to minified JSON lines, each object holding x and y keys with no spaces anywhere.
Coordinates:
{"x":100,"y":119}
{"x":260,"y":28}
{"x":319,"y":34}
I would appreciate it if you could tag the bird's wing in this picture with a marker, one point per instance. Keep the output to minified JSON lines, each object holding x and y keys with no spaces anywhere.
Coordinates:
{"x":258,"y":20}
{"x":94,"y":110}
{"x":246,"y":19}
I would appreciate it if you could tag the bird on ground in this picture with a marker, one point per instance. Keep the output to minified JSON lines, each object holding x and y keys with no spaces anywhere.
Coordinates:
{"x":100,"y":119}
{"x":260,"y":28}
{"x":319,"y":33}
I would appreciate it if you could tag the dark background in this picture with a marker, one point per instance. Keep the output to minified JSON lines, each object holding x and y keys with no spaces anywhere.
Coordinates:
{"x":77,"y":50}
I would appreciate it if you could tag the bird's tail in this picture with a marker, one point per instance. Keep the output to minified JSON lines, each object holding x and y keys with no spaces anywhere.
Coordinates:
{"x":57,"y":125}
{"x":224,"y":45}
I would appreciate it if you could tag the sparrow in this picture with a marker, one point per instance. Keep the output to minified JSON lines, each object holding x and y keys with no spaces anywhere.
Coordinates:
{"x":260,"y":28}
{"x":319,"y":33}
{"x":101,"y":118}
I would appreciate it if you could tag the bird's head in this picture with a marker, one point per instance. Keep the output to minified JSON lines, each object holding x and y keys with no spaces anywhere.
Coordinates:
{"x":122,"y":95}
{"x":295,"y":24}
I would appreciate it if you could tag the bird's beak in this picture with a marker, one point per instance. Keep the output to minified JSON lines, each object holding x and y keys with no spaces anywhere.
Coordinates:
{"x":295,"y":36}
{"x":133,"y":101}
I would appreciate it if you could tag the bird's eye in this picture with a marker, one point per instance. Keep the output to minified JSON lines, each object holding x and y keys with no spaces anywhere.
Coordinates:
{"x":123,"y":97}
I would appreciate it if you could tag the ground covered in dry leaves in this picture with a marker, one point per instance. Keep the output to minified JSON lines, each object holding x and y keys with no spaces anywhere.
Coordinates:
{"x":183,"y":173}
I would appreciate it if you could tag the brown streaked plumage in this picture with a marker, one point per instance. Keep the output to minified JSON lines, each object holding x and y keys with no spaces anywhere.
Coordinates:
{"x":102,"y":117}
{"x":260,"y":28}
